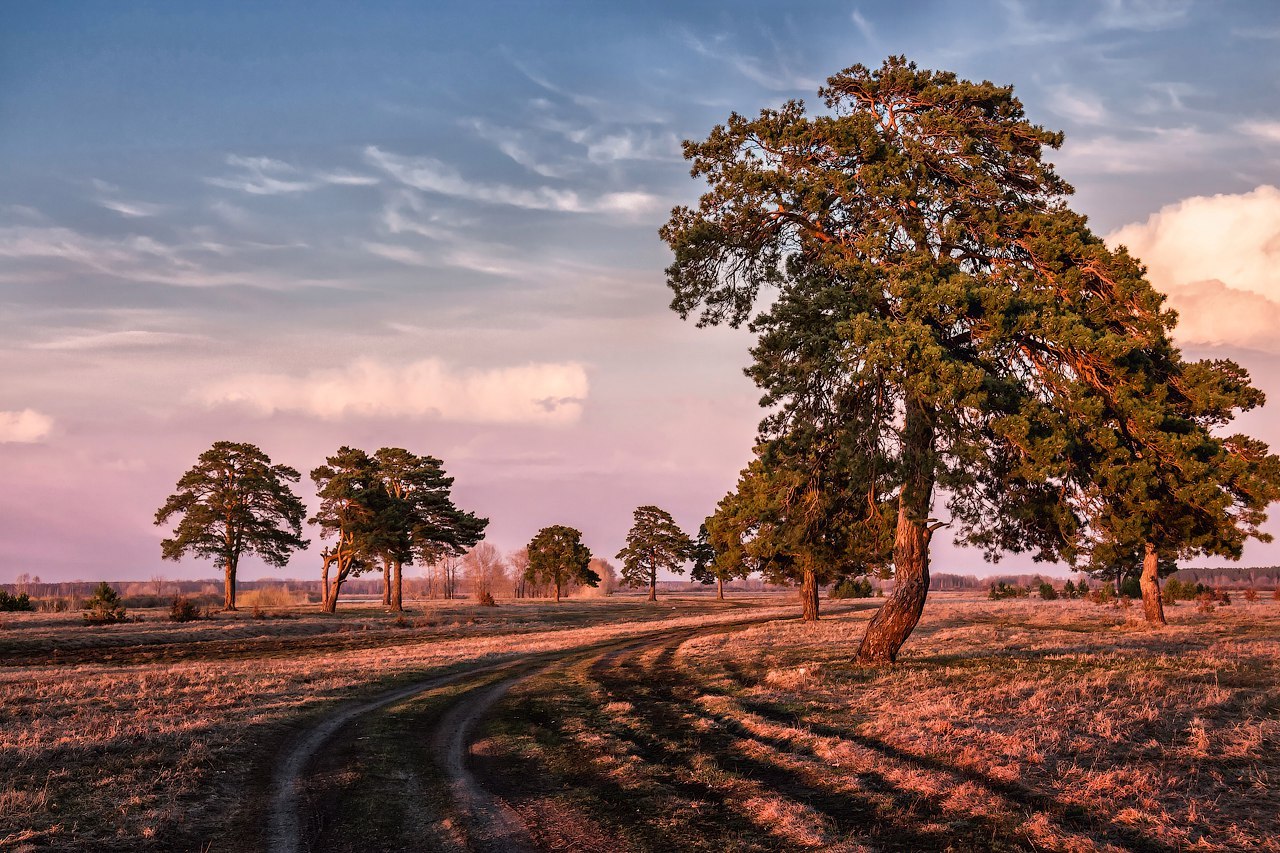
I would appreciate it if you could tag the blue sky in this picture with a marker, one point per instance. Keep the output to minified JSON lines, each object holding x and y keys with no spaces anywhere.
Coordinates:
{"x":434,"y":225}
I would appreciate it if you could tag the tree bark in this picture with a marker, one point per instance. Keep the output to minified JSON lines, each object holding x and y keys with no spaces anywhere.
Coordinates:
{"x":809,"y":594}
{"x":653,"y":586}
{"x":397,"y":586}
{"x":557,"y":592}
{"x":386,"y":582}
{"x":897,"y":618}
{"x":1152,"y":605}
{"x":720,"y":588}
{"x":229,"y":586}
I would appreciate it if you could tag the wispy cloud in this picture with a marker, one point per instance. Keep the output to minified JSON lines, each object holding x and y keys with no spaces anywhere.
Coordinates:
{"x":127,"y":339}
{"x":1267,"y":131}
{"x":434,"y":176}
{"x":26,"y":426}
{"x":1077,"y":105}
{"x":1151,"y":150}
{"x":549,"y":393}
{"x":132,"y":209}
{"x":267,"y":176}
{"x":864,"y":26}
{"x":399,"y":254}
{"x":778,"y":75}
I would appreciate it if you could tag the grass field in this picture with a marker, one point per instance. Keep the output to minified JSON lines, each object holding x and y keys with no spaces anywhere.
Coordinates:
{"x":1007,"y":725}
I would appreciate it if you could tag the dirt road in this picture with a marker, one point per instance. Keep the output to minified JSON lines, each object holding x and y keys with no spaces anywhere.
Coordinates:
{"x":355,"y":780}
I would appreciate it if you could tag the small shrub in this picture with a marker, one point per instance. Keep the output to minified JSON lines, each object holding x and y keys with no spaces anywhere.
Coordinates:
{"x":1068,"y":590}
{"x":1221,"y":597}
{"x":1250,"y":594}
{"x":1172,"y":589}
{"x":852,"y":588}
{"x":1275,"y":594}
{"x":1204,"y":602}
{"x":1131,"y":588}
{"x":14,"y":603}
{"x":1003,"y":590}
{"x":183,"y":609}
{"x":104,"y":606}
{"x":1047,"y":592}
{"x":485,"y":599}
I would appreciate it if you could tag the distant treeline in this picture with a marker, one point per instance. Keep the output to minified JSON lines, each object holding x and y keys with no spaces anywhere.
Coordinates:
{"x":1267,"y":577}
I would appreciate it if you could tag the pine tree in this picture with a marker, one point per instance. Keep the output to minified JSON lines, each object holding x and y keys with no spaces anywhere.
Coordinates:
{"x":233,"y":502}
{"x":655,"y":543}
{"x":557,"y":557}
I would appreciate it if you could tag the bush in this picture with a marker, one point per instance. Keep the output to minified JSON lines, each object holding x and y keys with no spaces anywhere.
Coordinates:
{"x":1003,"y":590}
{"x":14,"y":603}
{"x":1131,"y":588}
{"x":1047,"y":592}
{"x":1068,"y":590}
{"x":1250,"y":594}
{"x":183,"y":609}
{"x":1204,"y":602}
{"x":852,"y":588}
{"x":104,"y":606}
{"x":485,"y":599}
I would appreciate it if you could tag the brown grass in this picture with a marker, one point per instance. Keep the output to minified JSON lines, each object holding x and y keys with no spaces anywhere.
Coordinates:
{"x":1007,"y":725}
{"x":149,"y":736}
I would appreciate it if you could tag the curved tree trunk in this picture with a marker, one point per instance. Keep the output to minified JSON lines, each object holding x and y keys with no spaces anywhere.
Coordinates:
{"x":897,"y":618}
{"x":229,"y":587}
{"x":809,"y":594}
{"x":1152,"y":606}
{"x":397,"y":585}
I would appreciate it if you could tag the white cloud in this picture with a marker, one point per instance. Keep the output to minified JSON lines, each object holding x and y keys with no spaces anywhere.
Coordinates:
{"x":1152,"y":150}
{"x":399,"y":254}
{"x":431,"y":175}
{"x":132,"y":209}
{"x":778,"y":77}
{"x":24,"y":427}
{"x":864,"y":26}
{"x":1218,"y":258}
{"x":1076,"y":105}
{"x":1267,"y":131}
{"x":266,"y":176}
{"x":120,"y":340}
{"x":548,"y":393}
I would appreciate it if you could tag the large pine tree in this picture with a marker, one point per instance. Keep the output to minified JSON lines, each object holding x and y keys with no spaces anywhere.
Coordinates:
{"x":930,"y":292}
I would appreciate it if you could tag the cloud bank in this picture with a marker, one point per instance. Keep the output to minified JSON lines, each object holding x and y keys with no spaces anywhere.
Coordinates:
{"x":547,"y":394}
{"x":1218,"y":259}
{"x":24,"y":427}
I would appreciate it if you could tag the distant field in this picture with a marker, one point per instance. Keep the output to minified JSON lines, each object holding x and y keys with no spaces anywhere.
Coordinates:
{"x":1019,"y":725}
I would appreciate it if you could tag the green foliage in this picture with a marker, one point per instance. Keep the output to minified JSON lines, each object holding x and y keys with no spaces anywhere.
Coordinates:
{"x":655,"y":543}
{"x":1047,"y":591}
{"x":418,"y":519}
{"x":1130,"y":587}
{"x":1003,"y":590}
{"x":852,"y":588}
{"x":14,"y":603}
{"x":1068,"y":590}
{"x":557,"y":557}
{"x":232,"y":502}
{"x":184,"y":609}
{"x":104,"y":606}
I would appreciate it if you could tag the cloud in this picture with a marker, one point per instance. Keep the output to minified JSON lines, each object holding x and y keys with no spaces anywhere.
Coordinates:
{"x":1078,"y":106}
{"x":548,"y":393}
{"x":266,"y":176}
{"x":24,"y":427}
{"x":399,"y":254}
{"x":778,"y":77}
{"x":864,"y":26}
{"x":120,"y":340}
{"x":1155,"y":149}
{"x":1218,"y":258}
{"x":1267,"y":131}
{"x":431,"y":175}
{"x":132,"y":209}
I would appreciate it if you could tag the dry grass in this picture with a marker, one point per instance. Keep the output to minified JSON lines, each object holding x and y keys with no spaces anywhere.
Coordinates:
{"x":153,"y":739}
{"x":1007,"y":725}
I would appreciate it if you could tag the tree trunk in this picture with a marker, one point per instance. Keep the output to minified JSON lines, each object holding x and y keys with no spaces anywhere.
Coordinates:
{"x":229,"y":587}
{"x":653,"y":586}
{"x":386,"y":582}
{"x":1152,"y":605}
{"x":720,"y":588}
{"x":397,"y":586}
{"x":897,"y":618}
{"x":809,"y":594}
{"x":557,"y":592}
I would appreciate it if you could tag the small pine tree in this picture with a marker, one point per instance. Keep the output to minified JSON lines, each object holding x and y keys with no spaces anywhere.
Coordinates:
{"x":1250,"y":594}
{"x":104,"y":606}
{"x":1068,"y":590}
{"x":1047,"y":592}
{"x":13,"y":603}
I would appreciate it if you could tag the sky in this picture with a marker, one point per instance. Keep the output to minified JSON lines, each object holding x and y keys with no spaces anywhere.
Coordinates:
{"x":434,"y":226}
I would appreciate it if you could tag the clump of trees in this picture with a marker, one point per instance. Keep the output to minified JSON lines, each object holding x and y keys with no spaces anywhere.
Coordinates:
{"x":1002,"y":590}
{"x":923,"y":294}
{"x":852,"y":588}
{"x":15,"y":603}
{"x":385,"y":511}
{"x":655,"y":543}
